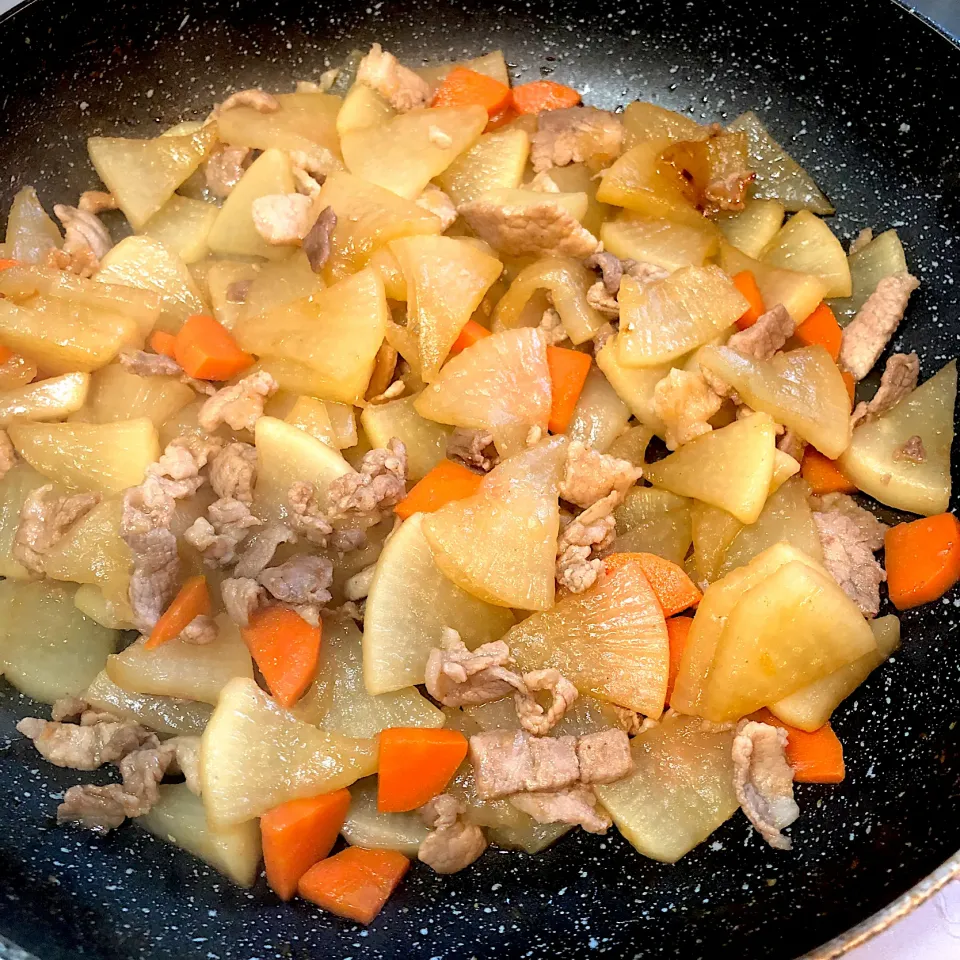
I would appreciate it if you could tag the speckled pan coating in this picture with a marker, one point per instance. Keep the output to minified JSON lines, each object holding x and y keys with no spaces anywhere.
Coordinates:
{"x":864,"y":95}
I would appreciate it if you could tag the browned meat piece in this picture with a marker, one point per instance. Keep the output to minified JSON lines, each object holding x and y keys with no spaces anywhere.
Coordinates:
{"x":217,"y":537}
{"x":259,"y":100}
{"x":69,"y":709}
{"x":899,"y":378}
{"x":603,"y":301}
{"x":8,"y":456}
{"x":766,"y":336}
{"x":379,"y":484}
{"x":764,"y":780}
{"x":316,"y":244}
{"x":307,"y":516}
{"x":552,"y":328}
{"x":178,"y":469}
{"x":604,"y":757}
{"x":792,"y":444}
{"x":590,"y":476}
{"x":533,"y":718}
{"x":97,"y":202}
{"x":848,"y":556}
{"x":44,"y":519}
{"x":511,"y":761}
{"x":472,"y":448}
{"x":727,"y":192}
{"x":233,"y":472}
{"x":402,"y":88}
{"x":86,"y":241}
{"x":576,"y":135}
{"x":456,"y":677}
{"x":241,"y":597}
{"x":576,"y":804}
{"x":913,"y":451}
{"x":861,"y":240}
{"x":539,"y":229}
{"x":239,"y":406}
{"x":225,"y":168}
{"x":870,"y":330}
{"x":302,"y":580}
{"x":438,"y":203}
{"x":601,"y":337}
{"x":282,"y":219}
{"x":145,"y":364}
{"x":685,"y":403}
{"x":200,"y":630}
{"x":84,"y":747}
{"x":583,"y":539}
{"x":611,"y":267}
{"x":869,"y":529}
{"x":260,"y":550}
{"x":451,"y":845}
{"x":358,"y":586}
{"x":630,"y":721}
{"x":99,"y":809}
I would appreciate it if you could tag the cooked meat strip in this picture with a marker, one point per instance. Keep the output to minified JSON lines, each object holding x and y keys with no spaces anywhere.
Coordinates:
{"x":44,"y":519}
{"x":85,"y":747}
{"x":628,"y":720}
{"x":457,"y":677}
{"x":865,"y":337}
{"x":97,"y":202}
{"x":402,"y":88}
{"x":913,"y":451}
{"x":578,"y":563}
{"x":439,"y":204}
{"x":225,"y":168}
{"x":541,"y":228}
{"x":576,"y":804}
{"x":259,"y":100}
{"x":611,"y":268}
{"x":239,"y":406}
{"x":604,"y":756}
{"x":282,"y":219}
{"x":261,"y":547}
{"x":862,"y":239}
{"x":552,"y":328}
{"x":8,"y":456}
{"x":451,"y":845}
{"x":763,"y":780}
{"x":728,"y":191}
{"x":200,"y":630}
{"x":227,"y":525}
{"x":603,"y":301}
{"x":379,"y":484}
{"x":233,"y":472}
{"x":316,"y":244}
{"x":472,"y":448}
{"x":311,"y":169}
{"x":86,"y":241}
{"x":511,"y":761}
{"x":242,"y":596}
{"x":145,"y":364}
{"x":68,"y":709}
{"x":307,"y":516}
{"x":792,"y":444}
{"x":302,"y":580}
{"x":178,"y":469}
{"x":869,"y":529}
{"x":590,"y":476}
{"x":685,"y":403}
{"x":575,"y":135}
{"x":533,"y":718}
{"x":899,"y":378}
{"x":768,"y":335}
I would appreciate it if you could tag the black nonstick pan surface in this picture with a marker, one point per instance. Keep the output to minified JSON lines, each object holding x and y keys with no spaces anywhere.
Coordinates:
{"x":864,"y":94}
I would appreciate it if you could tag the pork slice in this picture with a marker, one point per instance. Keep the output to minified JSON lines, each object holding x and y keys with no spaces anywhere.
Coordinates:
{"x":457,"y":677}
{"x":282,"y":219}
{"x":225,"y":168}
{"x":576,"y":135}
{"x":239,"y":406}
{"x":403,"y":89}
{"x":145,"y":364}
{"x":583,"y":540}
{"x":242,"y":596}
{"x":604,"y":756}
{"x":86,"y":241}
{"x":84,"y":747}
{"x":511,"y":761}
{"x":765,"y":337}
{"x":44,"y":520}
{"x":377,"y":486}
{"x":763,"y":780}
{"x":255,"y":98}
{"x":301,"y":580}
{"x":533,"y":717}
{"x":590,"y":476}
{"x":307,"y":516}
{"x":233,"y":472}
{"x":451,"y":845}
{"x":848,"y":557}
{"x":576,"y":804}
{"x":685,"y":402}
{"x":260,"y":550}
{"x":899,"y":379}
{"x":317,"y":242}
{"x":472,"y":448}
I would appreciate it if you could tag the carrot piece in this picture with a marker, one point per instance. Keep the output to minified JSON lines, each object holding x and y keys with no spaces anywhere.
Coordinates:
{"x":7,"y":264}
{"x":192,"y":601}
{"x":298,"y":834}
{"x":678,"y":628}
{"x":815,"y":757}
{"x":673,"y":588}
{"x":354,"y":883}
{"x":446,"y":482}
{"x":416,"y":764}
{"x":568,"y":373}
{"x":543,"y":95}
{"x":469,"y":335}
{"x":821,"y":327}
{"x":850,"y":384}
{"x":463,"y":87}
{"x":285,"y":648}
{"x":746,"y":283}
{"x":164,"y":343}
{"x":922,"y":559}
{"x":5,"y":353}
{"x":824,"y":475}
{"x":206,"y":350}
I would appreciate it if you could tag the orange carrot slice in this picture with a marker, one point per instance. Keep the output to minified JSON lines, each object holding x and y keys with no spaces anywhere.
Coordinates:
{"x":568,"y":374}
{"x":821,"y":327}
{"x":299,"y":833}
{"x":823,"y":475}
{"x":746,"y":283}
{"x":543,"y":95}
{"x":815,"y":757}
{"x":446,"y":482}
{"x":354,"y":883}
{"x":463,"y":87}
{"x":678,"y":629}
{"x":674,"y":590}
{"x":285,"y":648}
{"x":469,"y":335}
{"x":192,"y":601}
{"x":207,"y":351}
{"x":850,"y":384}
{"x":416,"y":764}
{"x":922,"y":559}
{"x":164,"y":343}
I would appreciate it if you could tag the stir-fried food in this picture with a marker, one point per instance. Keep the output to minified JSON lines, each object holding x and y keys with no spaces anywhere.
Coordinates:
{"x":440,"y":465}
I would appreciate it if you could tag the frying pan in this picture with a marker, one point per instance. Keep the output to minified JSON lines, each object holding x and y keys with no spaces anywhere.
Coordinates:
{"x":862,"y":93}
